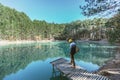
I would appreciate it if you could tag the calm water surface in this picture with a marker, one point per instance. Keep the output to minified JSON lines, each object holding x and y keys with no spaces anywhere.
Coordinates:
{"x":32,"y":61}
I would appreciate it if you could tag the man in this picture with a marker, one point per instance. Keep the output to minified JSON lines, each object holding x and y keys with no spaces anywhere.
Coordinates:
{"x":72,"y":51}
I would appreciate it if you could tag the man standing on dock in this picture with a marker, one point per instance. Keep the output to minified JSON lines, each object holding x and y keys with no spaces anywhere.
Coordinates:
{"x":72,"y":51}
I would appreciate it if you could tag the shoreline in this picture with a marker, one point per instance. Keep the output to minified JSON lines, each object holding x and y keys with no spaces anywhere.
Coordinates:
{"x":7,"y":42}
{"x":112,"y":67}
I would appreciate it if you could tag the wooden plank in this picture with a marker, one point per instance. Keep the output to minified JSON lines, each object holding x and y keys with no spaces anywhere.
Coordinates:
{"x":93,"y":77}
{"x":77,"y":73}
{"x":64,"y":68}
{"x":58,"y":61}
{"x":80,"y":75}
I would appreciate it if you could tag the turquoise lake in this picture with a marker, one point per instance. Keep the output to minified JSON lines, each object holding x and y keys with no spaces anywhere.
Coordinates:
{"x":32,"y":61}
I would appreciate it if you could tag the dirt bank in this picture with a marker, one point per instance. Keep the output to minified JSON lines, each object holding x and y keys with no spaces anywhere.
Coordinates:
{"x":112,"y":67}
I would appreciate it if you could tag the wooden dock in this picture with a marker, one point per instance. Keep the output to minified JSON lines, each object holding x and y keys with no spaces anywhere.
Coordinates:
{"x":78,"y":73}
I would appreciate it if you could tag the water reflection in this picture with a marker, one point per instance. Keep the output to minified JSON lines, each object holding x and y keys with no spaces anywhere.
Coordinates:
{"x":29,"y":61}
{"x":95,"y":53}
{"x":38,"y":70}
{"x":56,"y":75}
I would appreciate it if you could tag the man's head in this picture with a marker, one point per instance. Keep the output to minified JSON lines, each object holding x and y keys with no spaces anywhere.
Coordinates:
{"x":70,"y":40}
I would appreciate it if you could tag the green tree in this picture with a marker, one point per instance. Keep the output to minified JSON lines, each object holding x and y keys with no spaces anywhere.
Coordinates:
{"x":113,"y":26}
{"x":103,"y":7}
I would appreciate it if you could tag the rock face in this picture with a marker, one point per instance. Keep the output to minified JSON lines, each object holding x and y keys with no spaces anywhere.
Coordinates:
{"x":112,"y":67}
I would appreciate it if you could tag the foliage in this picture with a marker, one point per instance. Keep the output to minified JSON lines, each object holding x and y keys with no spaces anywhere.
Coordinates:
{"x":13,"y":24}
{"x":103,"y":7}
{"x":114,"y":28}
{"x":16,"y":25}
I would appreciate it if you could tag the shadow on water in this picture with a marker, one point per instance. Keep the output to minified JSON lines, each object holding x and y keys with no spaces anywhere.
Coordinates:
{"x":16,"y":59}
{"x":56,"y":75}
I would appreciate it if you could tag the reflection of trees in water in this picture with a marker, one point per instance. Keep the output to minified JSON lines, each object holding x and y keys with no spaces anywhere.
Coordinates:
{"x":56,"y":75}
{"x":95,"y":53}
{"x":13,"y":58}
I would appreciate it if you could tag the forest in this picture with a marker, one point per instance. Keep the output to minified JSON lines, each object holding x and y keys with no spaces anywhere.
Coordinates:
{"x":15,"y":25}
